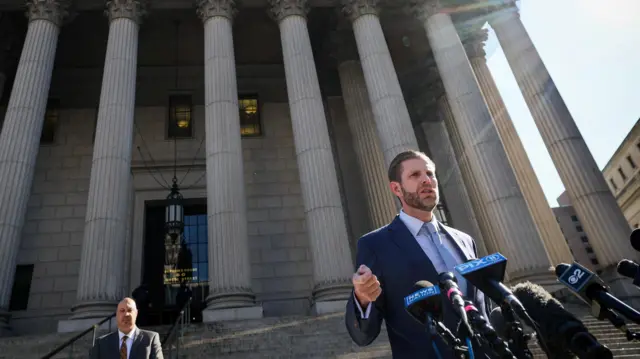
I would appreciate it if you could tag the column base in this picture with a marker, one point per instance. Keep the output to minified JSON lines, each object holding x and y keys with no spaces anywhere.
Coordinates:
{"x":229,"y":314}
{"x":328,"y":307}
{"x":545,"y":279}
{"x":333,"y":291}
{"x":5,"y":328}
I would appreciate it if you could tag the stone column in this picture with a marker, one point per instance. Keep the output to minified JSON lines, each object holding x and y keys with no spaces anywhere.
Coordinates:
{"x":230,"y":294}
{"x":543,"y":217}
{"x":101,"y":282}
{"x":381,"y":205}
{"x":515,"y":232}
{"x":451,"y":183}
{"x":595,"y":205}
{"x":20,"y":137}
{"x":332,"y":264}
{"x":389,"y":108}
{"x":478,"y":202}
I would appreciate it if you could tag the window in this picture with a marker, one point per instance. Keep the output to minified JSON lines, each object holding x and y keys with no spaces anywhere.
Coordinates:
{"x":589,"y":250}
{"x":21,"y":287}
{"x":180,"y":119}
{"x":574,"y":218}
{"x":584,"y":239}
{"x":621,"y":172}
{"x":595,"y":262}
{"x":631,"y":163}
{"x":579,"y":228}
{"x":613,"y":184}
{"x":50,"y":122}
{"x":249,"y":116}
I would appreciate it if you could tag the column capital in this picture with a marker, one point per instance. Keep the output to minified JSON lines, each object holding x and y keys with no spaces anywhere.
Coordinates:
{"x":128,"y":9}
{"x":342,"y":45}
{"x":423,"y":9}
{"x":279,"y":9}
{"x":353,"y":9}
{"x":55,"y":11}
{"x":209,"y":8}
{"x":474,"y":41}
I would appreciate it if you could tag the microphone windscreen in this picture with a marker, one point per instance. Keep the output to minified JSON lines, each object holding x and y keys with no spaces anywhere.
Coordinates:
{"x":561,"y":268}
{"x":635,"y":239}
{"x":627,"y":268}
{"x":424,"y":284}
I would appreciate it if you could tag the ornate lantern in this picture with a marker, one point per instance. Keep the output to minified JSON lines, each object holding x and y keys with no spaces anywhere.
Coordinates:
{"x":174,"y":212}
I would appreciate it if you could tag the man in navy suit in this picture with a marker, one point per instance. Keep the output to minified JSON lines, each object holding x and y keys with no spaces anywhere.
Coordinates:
{"x":390,"y":260}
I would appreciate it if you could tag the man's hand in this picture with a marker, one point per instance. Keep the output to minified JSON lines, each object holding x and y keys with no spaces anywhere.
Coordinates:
{"x":366,"y":286}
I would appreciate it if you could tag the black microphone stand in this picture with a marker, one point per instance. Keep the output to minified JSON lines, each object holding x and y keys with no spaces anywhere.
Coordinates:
{"x":517,"y":339}
{"x":436,"y":328}
{"x":618,"y":323}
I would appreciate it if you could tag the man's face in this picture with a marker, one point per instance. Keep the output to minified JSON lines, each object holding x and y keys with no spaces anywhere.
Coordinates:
{"x":419,"y":186}
{"x":126,"y":315}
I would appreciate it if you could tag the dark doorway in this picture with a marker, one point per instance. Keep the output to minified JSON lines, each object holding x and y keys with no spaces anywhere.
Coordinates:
{"x":166,"y":280}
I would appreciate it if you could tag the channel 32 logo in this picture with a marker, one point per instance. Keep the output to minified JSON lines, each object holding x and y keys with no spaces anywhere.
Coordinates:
{"x":576,"y":276}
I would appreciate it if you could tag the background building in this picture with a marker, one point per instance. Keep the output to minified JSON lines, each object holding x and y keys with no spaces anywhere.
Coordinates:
{"x":621,"y":173}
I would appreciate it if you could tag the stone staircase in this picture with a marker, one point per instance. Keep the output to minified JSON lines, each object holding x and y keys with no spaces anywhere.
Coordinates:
{"x":291,"y":337}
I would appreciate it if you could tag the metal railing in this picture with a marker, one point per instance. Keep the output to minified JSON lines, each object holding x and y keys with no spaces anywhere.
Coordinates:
{"x":171,"y":342}
{"x":69,"y":343}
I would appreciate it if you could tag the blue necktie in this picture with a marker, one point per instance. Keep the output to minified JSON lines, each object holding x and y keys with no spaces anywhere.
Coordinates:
{"x":450,"y":262}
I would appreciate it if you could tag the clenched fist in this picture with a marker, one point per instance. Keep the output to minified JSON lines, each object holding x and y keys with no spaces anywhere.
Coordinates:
{"x":366,"y":286}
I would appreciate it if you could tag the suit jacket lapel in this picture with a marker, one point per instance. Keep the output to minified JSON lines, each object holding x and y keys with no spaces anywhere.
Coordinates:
{"x":136,"y":343}
{"x":407,"y":242}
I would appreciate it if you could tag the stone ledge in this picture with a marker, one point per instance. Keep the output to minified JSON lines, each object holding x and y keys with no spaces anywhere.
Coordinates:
{"x":77,"y":325}
{"x":328,"y":307}
{"x":218,"y":315}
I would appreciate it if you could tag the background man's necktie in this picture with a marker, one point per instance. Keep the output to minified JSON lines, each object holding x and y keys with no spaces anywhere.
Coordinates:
{"x":123,"y":348}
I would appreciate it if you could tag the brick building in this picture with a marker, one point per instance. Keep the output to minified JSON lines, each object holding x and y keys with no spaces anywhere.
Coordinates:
{"x":278,"y":119}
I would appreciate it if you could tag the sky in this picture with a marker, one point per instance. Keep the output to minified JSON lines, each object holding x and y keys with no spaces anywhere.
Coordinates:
{"x":591,"y":48}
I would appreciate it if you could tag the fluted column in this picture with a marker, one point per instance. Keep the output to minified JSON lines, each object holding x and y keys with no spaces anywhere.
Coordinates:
{"x":451,"y":182}
{"x":101,"y":284}
{"x":543,"y":217}
{"x":515,"y":232}
{"x":332,"y":264}
{"x":229,"y":266}
{"x":603,"y":221}
{"x":20,"y":137}
{"x":381,"y":205}
{"x":478,"y":202}
{"x":389,"y":108}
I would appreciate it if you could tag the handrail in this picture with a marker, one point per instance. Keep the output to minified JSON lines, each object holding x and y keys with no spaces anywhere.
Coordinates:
{"x":73,"y":339}
{"x":178,"y":324}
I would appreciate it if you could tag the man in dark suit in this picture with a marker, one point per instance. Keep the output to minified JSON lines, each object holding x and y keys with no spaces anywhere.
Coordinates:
{"x":129,"y":341}
{"x":390,"y":260}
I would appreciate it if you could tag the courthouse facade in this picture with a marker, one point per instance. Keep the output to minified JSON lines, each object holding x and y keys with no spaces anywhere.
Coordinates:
{"x":277,"y":118}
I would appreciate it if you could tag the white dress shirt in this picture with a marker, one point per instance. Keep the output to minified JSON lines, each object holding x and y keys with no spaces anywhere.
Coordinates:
{"x":425,"y":241}
{"x":130,"y":337}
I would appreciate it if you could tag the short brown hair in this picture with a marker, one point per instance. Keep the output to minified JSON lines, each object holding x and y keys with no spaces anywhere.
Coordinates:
{"x":395,"y":168}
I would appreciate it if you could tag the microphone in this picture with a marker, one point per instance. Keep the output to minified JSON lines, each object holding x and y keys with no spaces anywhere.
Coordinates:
{"x":592,"y":290}
{"x":448,"y":284}
{"x":488,"y":333}
{"x":425,"y":306}
{"x":630,"y":269}
{"x":563,"y":333}
{"x":634,"y":238}
{"x":512,"y":332}
{"x":424,"y":303}
{"x":486,"y":275}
